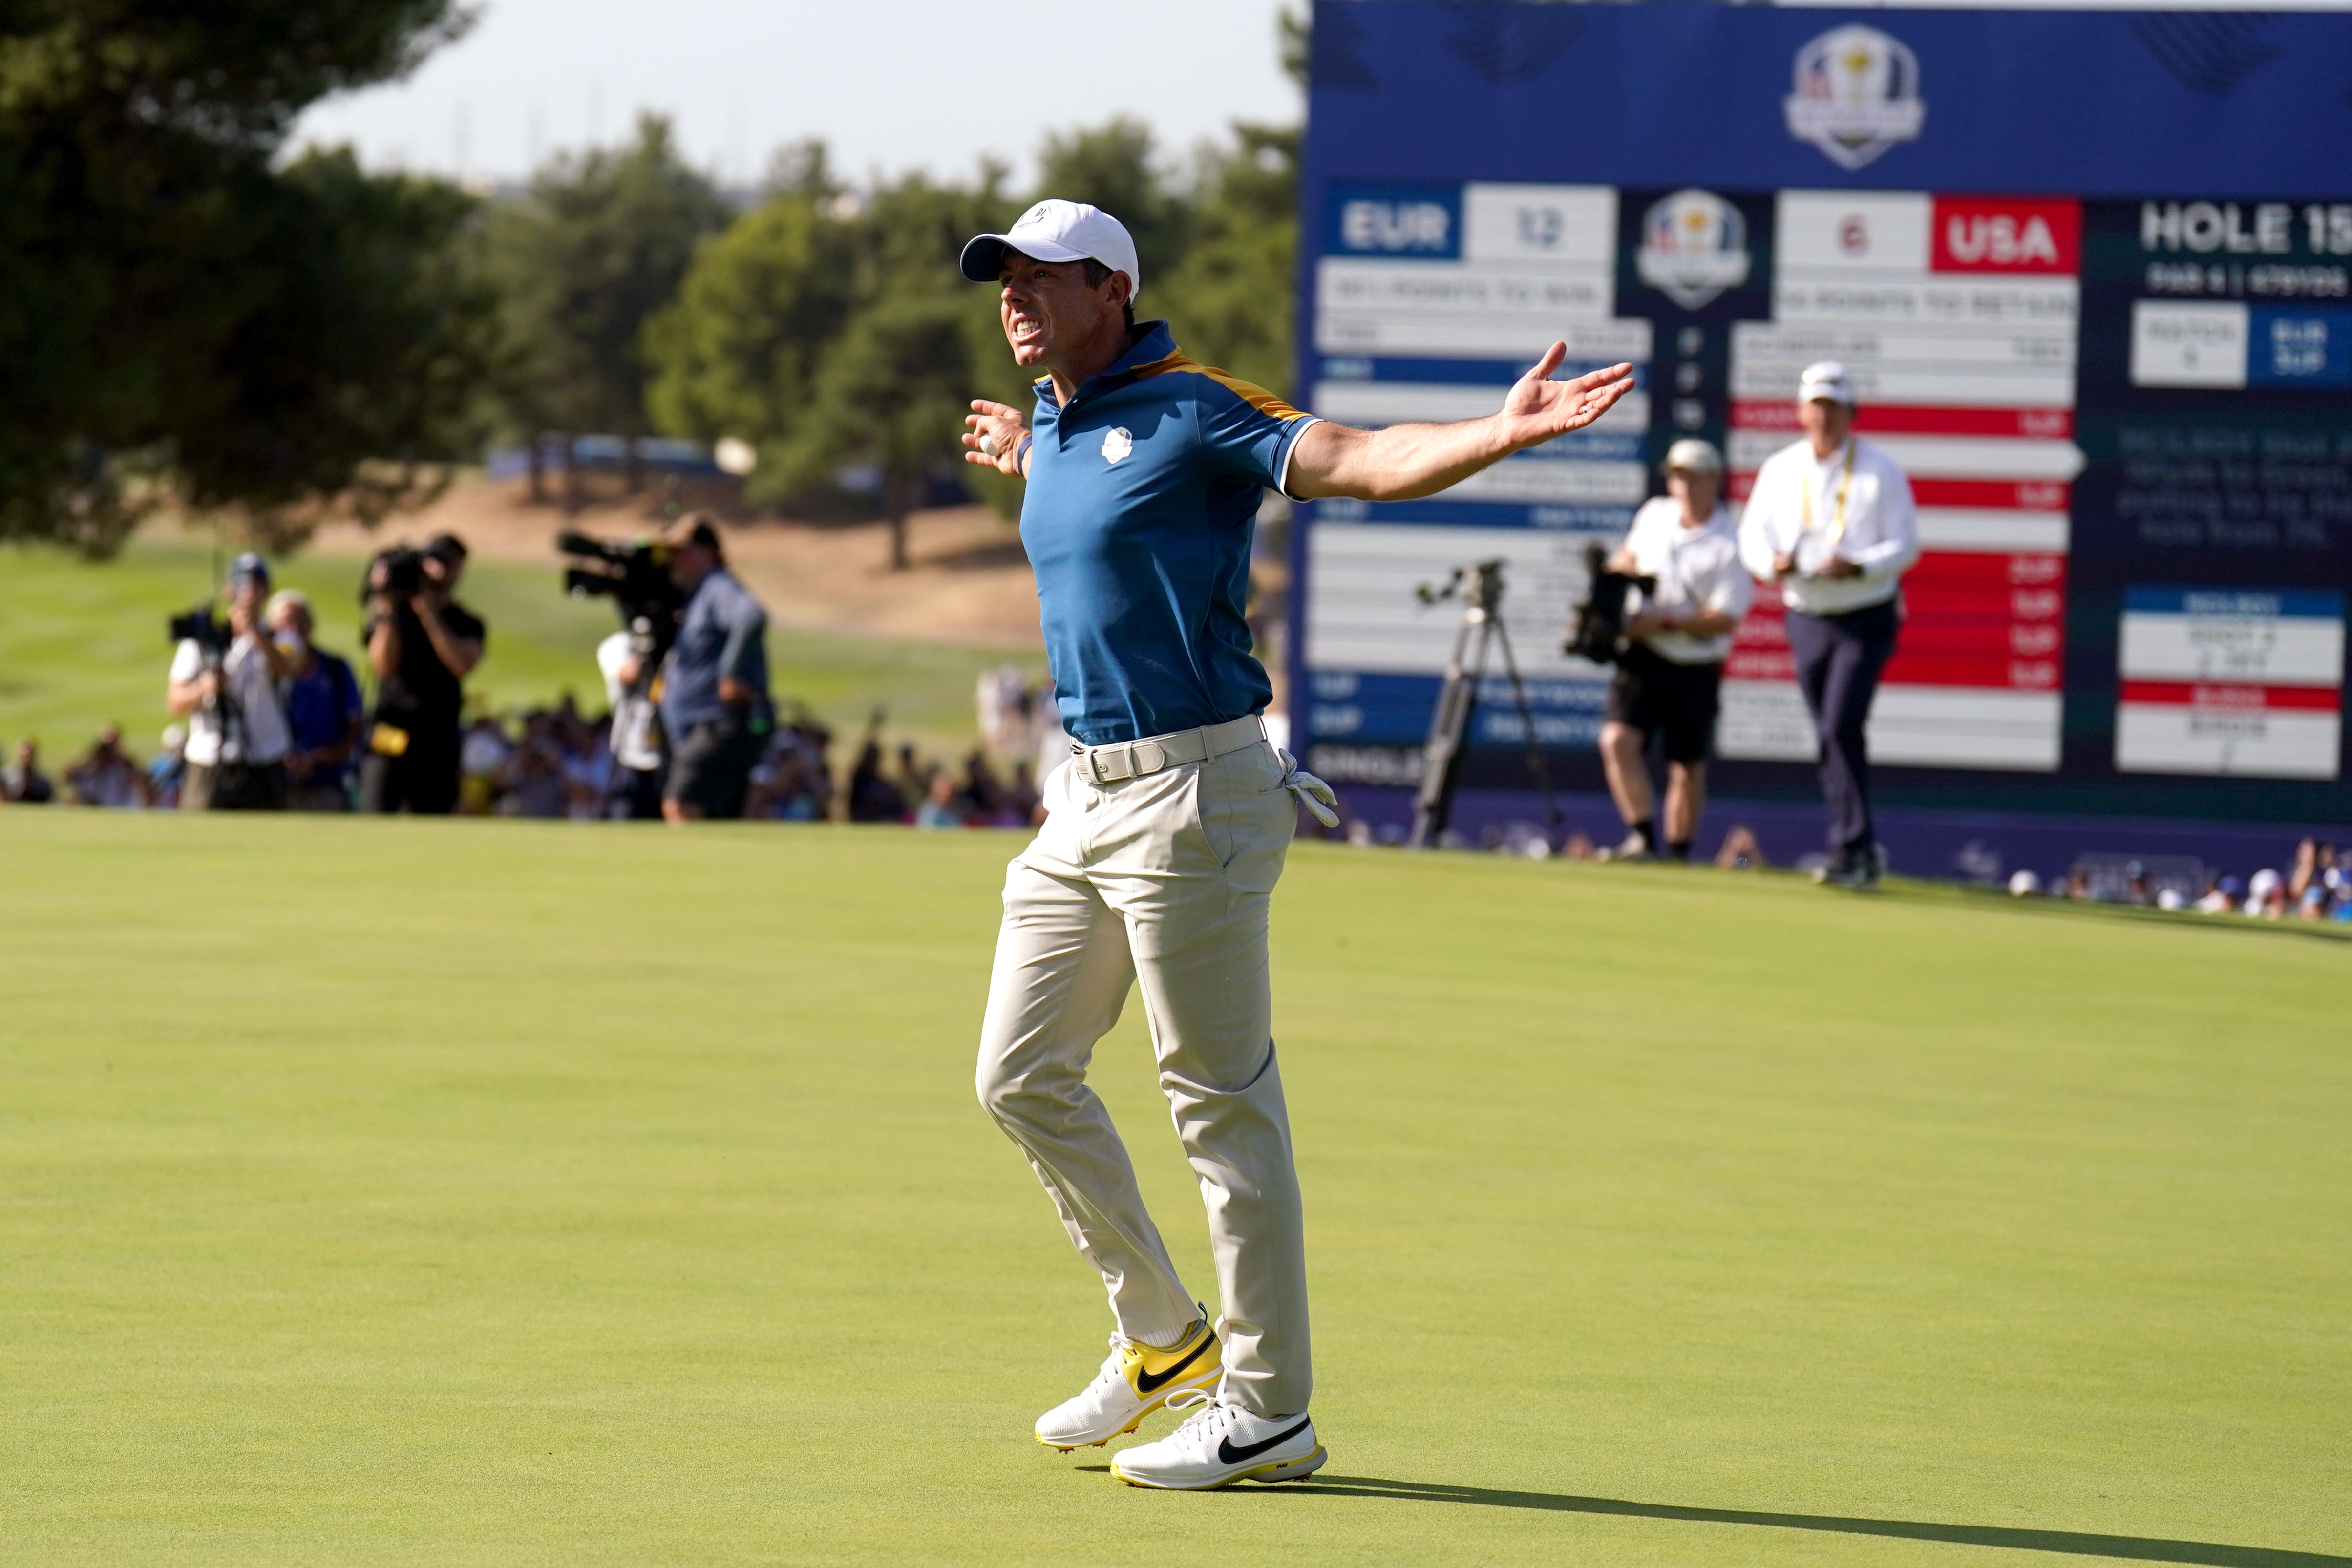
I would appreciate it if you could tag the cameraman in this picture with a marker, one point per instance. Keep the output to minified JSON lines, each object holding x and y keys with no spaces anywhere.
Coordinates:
{"x":1669,"y":680}
{"x":714,"y":701}
{"x":422,"y":646}
{"x":238,"y":736}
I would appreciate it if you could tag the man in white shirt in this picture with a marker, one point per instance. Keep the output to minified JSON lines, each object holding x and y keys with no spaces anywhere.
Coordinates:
{"x":1831,"y":522}
{"x":238,"y":734}
{"x":634,"y":792}
{"x":1669,"y":680}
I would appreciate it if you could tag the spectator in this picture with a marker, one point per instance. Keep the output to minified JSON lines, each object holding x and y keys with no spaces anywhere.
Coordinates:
{"x":2308,"y":885}
{"x":636,"y":781}
{"x":1740,"y":852}
{"x":982,"y":796}
{"x":171,"y":764}
{"x":534,"y":779}
{"x":587,"y":764}
{"x":421,"y":649}
{"x":324,"y":711}
{"x":22,"y":781}
{"x":237,"y":738}
{"x":714,"y":704}
{"x":2222,"y":898}
{"x":914,"y":774}
{"x":481,"y":766}
{"x":794,"y":782}
{"x":107,"y":777}
{"x":943,"y":807}
{"x":2265,"y":895}
{"x":1024,"y":807}
{"x":872,"y":796}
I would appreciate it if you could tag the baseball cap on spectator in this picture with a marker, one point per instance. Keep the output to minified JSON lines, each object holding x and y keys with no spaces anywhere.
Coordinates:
{"x":446,"y":547}
{"x":1825,"y":381}
{"x":248,"y":568}
{"x":1692,"y":456}
{"x":696,"y":528}
{"x":1057,"y":230}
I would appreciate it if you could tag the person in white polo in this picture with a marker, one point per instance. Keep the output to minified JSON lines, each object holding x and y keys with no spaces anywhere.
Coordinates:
{"x":1831,"y":524}
{"x":1669,"y":680}
{"x":1165,"y":834}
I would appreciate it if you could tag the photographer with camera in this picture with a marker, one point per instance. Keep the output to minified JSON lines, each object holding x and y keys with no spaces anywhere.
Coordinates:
{"x":422,"y":643}
{"x":225,"y":682}
{"x":714,"y":701}
{"x":1669,"y":677}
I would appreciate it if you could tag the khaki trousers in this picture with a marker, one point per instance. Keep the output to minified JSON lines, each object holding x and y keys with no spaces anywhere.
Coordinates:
{"x":1165,"y":880}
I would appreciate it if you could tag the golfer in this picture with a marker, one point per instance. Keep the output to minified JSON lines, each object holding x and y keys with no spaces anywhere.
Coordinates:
{"x":1167,"y":831}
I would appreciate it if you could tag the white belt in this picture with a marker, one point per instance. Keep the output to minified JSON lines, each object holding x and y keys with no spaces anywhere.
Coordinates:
{"x":1156,"y":754}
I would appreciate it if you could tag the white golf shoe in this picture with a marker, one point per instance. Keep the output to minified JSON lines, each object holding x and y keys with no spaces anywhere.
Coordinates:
{"x":1135,"y":1381}
{"x":1220,"y":1444}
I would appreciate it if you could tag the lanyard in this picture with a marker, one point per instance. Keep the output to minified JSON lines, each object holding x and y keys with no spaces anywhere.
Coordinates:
{"x":1846,"y":484}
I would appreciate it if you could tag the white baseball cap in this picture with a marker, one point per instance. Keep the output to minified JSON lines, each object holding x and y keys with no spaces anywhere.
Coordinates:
{"x":1057,"y":230}
{"x":1692,"y":456}
{"x":1828,"y":379}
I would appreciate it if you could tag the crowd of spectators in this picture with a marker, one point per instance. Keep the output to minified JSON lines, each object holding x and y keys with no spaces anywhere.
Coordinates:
{"x":2317,"y":886}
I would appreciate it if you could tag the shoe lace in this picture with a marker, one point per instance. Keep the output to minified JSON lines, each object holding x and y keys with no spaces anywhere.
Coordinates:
{"x":1119,"y":1344}
{"x":1209,"y":1416}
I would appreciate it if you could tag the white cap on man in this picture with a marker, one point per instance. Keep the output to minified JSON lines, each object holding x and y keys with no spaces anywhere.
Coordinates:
{"x":1057,"y":230}
{"x":1827,"y":381}
{"x":1692,"y":456}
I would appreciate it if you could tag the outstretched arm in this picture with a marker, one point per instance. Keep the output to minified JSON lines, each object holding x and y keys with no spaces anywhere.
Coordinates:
{"x":1405,"y":462}
{"x":1005,"y":433}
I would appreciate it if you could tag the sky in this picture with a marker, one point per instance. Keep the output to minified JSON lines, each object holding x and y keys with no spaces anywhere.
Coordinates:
{"x":892,"y":85}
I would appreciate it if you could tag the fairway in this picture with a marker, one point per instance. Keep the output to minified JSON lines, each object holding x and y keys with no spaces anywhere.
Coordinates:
{"x":408,"y":1192}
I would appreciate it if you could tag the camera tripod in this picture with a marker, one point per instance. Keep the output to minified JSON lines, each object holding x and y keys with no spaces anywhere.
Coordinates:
{"x":1480,"y":588}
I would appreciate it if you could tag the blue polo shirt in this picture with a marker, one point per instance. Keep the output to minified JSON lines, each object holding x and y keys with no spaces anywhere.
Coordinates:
{"x":1143,"y":494}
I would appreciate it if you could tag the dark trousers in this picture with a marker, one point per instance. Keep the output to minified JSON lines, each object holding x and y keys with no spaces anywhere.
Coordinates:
{"x":234,"y":786}
{"x":1839,"y":660}
{"x":423,"y":778}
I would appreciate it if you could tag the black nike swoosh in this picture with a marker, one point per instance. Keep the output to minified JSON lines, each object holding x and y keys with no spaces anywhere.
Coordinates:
{"x":1229,"y":1455}
{"x":1146,"y":1383}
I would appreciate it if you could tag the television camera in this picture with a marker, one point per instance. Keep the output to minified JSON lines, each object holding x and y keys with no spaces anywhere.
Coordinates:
{"x":1596,"y":630}
{"x":635,"y":574}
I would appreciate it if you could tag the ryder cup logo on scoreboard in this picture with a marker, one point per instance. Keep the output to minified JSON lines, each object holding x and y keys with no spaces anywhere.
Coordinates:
{"x":1694,"y":246}
{"x":1856,"y":94}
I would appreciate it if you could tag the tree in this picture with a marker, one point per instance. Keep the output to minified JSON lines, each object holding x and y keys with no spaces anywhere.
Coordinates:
{"x":599,"y":245}
{"x":1232,"y":297}
{"x":737,"y":353}
{"x":1111,"y":167}
{"x":146,"y":292}
{"x":892,"y":396}
{"x":748,"y":348}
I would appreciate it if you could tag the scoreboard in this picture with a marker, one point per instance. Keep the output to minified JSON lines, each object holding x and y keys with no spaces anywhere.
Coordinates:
{"x":2092,"y":273}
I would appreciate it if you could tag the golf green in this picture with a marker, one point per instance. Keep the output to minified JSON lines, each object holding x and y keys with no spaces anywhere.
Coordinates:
{"x":502,"y":1192}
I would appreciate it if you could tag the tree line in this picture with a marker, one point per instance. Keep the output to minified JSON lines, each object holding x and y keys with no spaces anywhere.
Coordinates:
{"x":188,"y":317}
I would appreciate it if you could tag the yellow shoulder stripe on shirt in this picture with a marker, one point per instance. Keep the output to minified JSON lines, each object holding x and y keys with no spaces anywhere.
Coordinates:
{"x":1257,"y":398}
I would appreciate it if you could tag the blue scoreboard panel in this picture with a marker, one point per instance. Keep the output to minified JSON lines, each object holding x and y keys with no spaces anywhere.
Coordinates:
{"x":2092,"y":273}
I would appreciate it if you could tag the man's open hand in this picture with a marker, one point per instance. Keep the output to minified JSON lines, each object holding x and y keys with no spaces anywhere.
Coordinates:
{"x":1003,"y":427}
{"x":1539,"y":409}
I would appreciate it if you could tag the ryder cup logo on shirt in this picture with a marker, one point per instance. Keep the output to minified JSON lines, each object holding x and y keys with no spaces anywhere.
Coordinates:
{"x":1117,"y":444}
{"x":1857,"y":94}
{"x":1694,"y":246}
